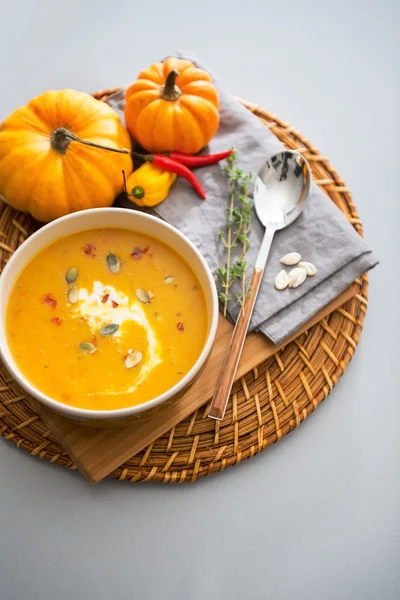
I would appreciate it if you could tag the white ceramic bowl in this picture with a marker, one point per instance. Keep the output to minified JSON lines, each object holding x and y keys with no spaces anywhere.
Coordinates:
{"x":93,"y":219}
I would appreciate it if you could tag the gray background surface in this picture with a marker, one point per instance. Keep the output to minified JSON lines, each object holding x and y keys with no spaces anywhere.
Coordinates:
{"x":317,"y":515}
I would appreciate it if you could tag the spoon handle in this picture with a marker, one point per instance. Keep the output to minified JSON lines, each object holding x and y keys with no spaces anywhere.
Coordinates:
{"x":234,"y":352}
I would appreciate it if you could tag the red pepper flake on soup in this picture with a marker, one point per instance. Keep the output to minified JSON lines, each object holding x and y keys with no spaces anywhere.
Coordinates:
{"x":56,"y":320}
{"x":94,"y":341}
{"x":89,"y":249}
{"x":114,"y":304}
{"x":180,"y":326}
{"x":137,"y":253}
{"x":105,"y":298}
{"x":50,"y":300}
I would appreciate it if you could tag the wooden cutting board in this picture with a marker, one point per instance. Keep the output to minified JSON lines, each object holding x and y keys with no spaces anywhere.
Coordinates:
{"x":97,"y":452}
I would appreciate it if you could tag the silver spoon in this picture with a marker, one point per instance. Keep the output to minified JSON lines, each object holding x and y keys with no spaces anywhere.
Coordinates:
{"x":281,"y":189}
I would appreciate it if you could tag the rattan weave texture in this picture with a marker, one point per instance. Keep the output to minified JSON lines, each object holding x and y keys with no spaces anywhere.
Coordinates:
{"x":270,"y":401}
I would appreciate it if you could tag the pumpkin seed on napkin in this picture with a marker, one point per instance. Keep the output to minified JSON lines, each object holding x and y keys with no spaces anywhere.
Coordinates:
{"x":322,"y":234}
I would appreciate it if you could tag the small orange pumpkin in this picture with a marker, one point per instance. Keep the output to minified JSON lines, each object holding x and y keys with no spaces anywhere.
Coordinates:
{"x":172,"y":106}
{"x":46,"y":172}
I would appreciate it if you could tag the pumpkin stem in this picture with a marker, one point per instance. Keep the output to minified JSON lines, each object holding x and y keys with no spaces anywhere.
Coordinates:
{"x":170,"y":91}
{"x":61,"y":139}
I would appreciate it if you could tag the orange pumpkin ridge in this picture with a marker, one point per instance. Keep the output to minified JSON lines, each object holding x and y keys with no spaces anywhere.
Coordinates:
{"x":172,"y":106}
{"x":49,"y":175}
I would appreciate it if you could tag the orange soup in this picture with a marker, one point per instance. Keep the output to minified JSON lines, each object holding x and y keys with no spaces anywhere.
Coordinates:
{"x":105,"y":319}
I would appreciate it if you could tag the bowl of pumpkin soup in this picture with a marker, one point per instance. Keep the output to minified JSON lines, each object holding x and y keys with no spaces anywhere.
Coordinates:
{"x":106,"y":314}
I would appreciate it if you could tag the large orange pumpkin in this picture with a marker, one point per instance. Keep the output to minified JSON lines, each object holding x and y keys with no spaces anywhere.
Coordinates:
{"x":172,"y":106}
{"x":45,"y":172}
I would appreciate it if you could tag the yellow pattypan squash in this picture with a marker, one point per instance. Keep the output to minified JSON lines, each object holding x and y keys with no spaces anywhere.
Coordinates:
{"x":149,"y":185}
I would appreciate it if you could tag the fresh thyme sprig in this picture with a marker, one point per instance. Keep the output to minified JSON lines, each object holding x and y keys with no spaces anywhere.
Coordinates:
{"x":237,"y":230}
{"x":243,"y":237}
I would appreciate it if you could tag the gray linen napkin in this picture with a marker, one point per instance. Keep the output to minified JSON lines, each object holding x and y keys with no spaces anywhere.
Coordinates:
{"x":322,"y":234}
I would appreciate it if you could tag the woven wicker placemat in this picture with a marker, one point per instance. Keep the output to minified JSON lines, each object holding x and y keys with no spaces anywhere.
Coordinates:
{"x":270,"y":401}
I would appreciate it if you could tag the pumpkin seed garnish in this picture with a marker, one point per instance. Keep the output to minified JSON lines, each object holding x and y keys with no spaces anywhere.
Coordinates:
{"x":311,"y":269}
{"x":293,"y":275}
{"x":281,"y":280}
{"x":87,"y":347}
{"x":73,"y":295}
{"x":133,"y":359}
{"x":291,"y":259}
{"x":71,"y":275}
{"x":143,"y":296}
{"x":302,"y":276}
{"x":109,"y":329}
{"x":169,"y":279}
{"x":113,"y":263}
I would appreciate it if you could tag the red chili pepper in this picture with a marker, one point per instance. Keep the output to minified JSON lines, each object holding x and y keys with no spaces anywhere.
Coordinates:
{"x":196,"y":160}
{"x":166,"y":163}
{"x":56,"y":320}
{"x":105,"y":298}
{"x":114,"y":304}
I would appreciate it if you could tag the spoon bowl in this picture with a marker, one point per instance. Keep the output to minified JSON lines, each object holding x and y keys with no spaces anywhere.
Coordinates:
{"x":281,"y":189}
